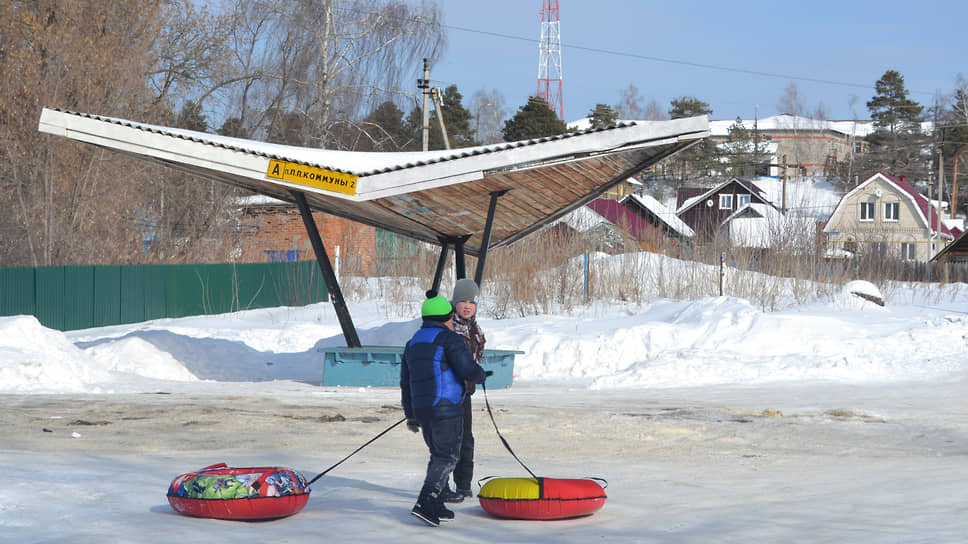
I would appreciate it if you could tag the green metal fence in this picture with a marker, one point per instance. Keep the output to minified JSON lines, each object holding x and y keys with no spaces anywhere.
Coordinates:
{"x":80,"y":297}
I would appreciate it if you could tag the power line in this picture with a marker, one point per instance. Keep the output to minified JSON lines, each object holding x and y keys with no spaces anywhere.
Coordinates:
{"x":677,"y":62}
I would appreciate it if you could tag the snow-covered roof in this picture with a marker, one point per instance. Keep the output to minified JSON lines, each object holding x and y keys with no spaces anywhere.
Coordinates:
{"x":664,"y":214}
{"x":956,"y":248}
{"x":583,"y":219}
{"x":426,"y":195}
{"x":753,"y":225}
{"x":760,"y":225}
{"x":259,"y":200}
{"x":804,"y":197}
{"x":858,"y":128}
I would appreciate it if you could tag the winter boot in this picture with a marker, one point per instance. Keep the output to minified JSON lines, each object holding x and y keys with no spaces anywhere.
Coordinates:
{"x":452,"y":497}
{"x":444,"y":513}
{"x":464,"y":492}
{"x":427,"y":507}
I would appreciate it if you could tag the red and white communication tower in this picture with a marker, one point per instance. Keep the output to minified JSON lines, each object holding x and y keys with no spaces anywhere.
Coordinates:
{"x":550,"y":86}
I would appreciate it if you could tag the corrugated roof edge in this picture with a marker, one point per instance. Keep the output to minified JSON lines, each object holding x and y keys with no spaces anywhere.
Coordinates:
{"x":457,"y":155}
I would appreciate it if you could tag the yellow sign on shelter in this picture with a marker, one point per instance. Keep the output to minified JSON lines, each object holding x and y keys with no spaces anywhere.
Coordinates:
{"x":312,"y":176}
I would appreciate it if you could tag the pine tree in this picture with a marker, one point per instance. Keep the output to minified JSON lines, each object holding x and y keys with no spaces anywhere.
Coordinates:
{"x":745,"y":152}
{"x":287,"y":128}
{"x":602,"y":116}
{"x":533,"y":120}
{"x":413,"y":125}
{"x":954,"y":124}
{"x":232,"y":127}
{"x":897,"y":138}
{"x":891,"y":108}
{"x":688,"y":106}
{"x":457,"y":122}
{"x":703,"y":158}
{"x":383,"y":129}
{"x":191,"y":117}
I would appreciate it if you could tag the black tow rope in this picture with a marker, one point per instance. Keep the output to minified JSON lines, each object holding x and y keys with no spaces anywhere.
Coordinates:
{"x":505,"y":442}
{"x":385,"y":431}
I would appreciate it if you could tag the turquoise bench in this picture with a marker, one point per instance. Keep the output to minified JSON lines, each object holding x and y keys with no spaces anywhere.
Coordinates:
{"x":379,"y":366}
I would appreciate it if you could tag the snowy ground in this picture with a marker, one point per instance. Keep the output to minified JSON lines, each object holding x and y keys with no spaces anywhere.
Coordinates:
{"x":712,"y":421}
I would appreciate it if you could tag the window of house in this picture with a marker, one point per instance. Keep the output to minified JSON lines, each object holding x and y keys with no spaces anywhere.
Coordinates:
{"x":866,"y":211}
{"x":909,"y":251}
{"x":725,"y":202}
{"x":891,"y":211}
{"x":742,"y":200}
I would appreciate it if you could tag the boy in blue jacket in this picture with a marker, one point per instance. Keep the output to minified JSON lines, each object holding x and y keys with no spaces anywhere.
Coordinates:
{"x":436,"y":363}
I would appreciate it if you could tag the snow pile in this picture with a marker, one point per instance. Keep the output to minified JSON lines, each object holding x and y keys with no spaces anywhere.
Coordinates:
{"x":715,"y":340}
{"x":34,"y":359}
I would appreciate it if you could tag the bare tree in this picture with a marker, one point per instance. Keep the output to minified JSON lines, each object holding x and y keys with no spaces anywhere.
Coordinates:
{"x":852,"y":103}
{"x":655,"y":112}
{"x":629,"y":105}
{"x":488,"y":109}
{"x":792,"y":103}
{"x":190,"y":53}
{"x":960,"y":102}
{"x":298,"y":69}
{"x":68,"y":202}
{"x":310,"y":67}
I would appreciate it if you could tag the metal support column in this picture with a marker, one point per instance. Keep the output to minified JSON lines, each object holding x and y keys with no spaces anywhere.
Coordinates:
{"x":486,"y":239}
{"x":335,"y":294}
{"x":444,"y":246}
{"x":460,"y":263}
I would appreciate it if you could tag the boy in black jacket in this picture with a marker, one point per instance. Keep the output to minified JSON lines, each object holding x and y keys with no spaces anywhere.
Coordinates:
{"x":436,"y":363}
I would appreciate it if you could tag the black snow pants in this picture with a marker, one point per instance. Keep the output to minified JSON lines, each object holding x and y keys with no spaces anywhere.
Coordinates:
{"x":464,"y":471}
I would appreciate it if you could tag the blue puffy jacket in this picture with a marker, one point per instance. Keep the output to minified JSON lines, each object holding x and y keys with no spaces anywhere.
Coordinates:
{"x":436,"y":363}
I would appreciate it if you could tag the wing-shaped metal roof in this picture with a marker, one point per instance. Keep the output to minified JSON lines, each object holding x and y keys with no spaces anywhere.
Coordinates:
{"x":425,"y":195}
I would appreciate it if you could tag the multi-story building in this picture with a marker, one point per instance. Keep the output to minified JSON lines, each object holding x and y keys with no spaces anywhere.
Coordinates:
{"x":813,"y":145}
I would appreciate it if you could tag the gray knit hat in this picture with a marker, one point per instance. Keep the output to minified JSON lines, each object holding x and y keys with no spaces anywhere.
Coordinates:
{"x":464,"y":289}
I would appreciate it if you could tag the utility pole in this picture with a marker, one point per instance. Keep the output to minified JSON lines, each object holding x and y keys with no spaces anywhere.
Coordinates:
{"x":940,"y":185}
{"x":756,"y":141}
{"x":954,"y":181}
{"x":424,"y":84}
{"x":439,"y":108}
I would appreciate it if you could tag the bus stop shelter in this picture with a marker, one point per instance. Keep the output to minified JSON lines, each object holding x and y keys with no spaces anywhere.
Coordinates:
{"x":471,"y":199}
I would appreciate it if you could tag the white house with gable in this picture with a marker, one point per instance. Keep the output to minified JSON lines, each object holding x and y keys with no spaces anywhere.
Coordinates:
{"x":887,"y":217}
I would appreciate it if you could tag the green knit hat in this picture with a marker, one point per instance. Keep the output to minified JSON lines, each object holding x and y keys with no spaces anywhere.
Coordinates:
{"x":436,"y":307}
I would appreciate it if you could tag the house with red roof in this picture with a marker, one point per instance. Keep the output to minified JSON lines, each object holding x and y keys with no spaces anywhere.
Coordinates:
{"x":649,"y":237}
{"x":887,"y":217}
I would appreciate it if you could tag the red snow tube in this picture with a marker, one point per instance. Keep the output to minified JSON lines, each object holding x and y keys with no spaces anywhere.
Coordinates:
{"x":541,"y":498}
{"x":221,"y":492}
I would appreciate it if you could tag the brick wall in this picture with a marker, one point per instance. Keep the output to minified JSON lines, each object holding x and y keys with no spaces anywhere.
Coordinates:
{"x":276,"y":233}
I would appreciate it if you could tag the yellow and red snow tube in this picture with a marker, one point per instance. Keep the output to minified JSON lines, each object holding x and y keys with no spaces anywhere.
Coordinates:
{"x":541,"y":498}
{"x":254,"y":493}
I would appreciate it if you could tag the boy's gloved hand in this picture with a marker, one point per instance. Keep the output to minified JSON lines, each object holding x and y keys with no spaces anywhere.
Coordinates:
{"x":413,"y":425}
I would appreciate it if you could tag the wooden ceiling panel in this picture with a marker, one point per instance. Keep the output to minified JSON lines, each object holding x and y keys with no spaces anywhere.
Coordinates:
{"x":430,"y":196}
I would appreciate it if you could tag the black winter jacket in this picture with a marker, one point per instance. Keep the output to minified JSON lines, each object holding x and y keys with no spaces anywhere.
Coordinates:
{"x":435,"y":364}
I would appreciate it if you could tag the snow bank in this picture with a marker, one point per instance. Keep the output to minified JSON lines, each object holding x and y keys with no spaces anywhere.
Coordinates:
{"x":716,"y":340}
